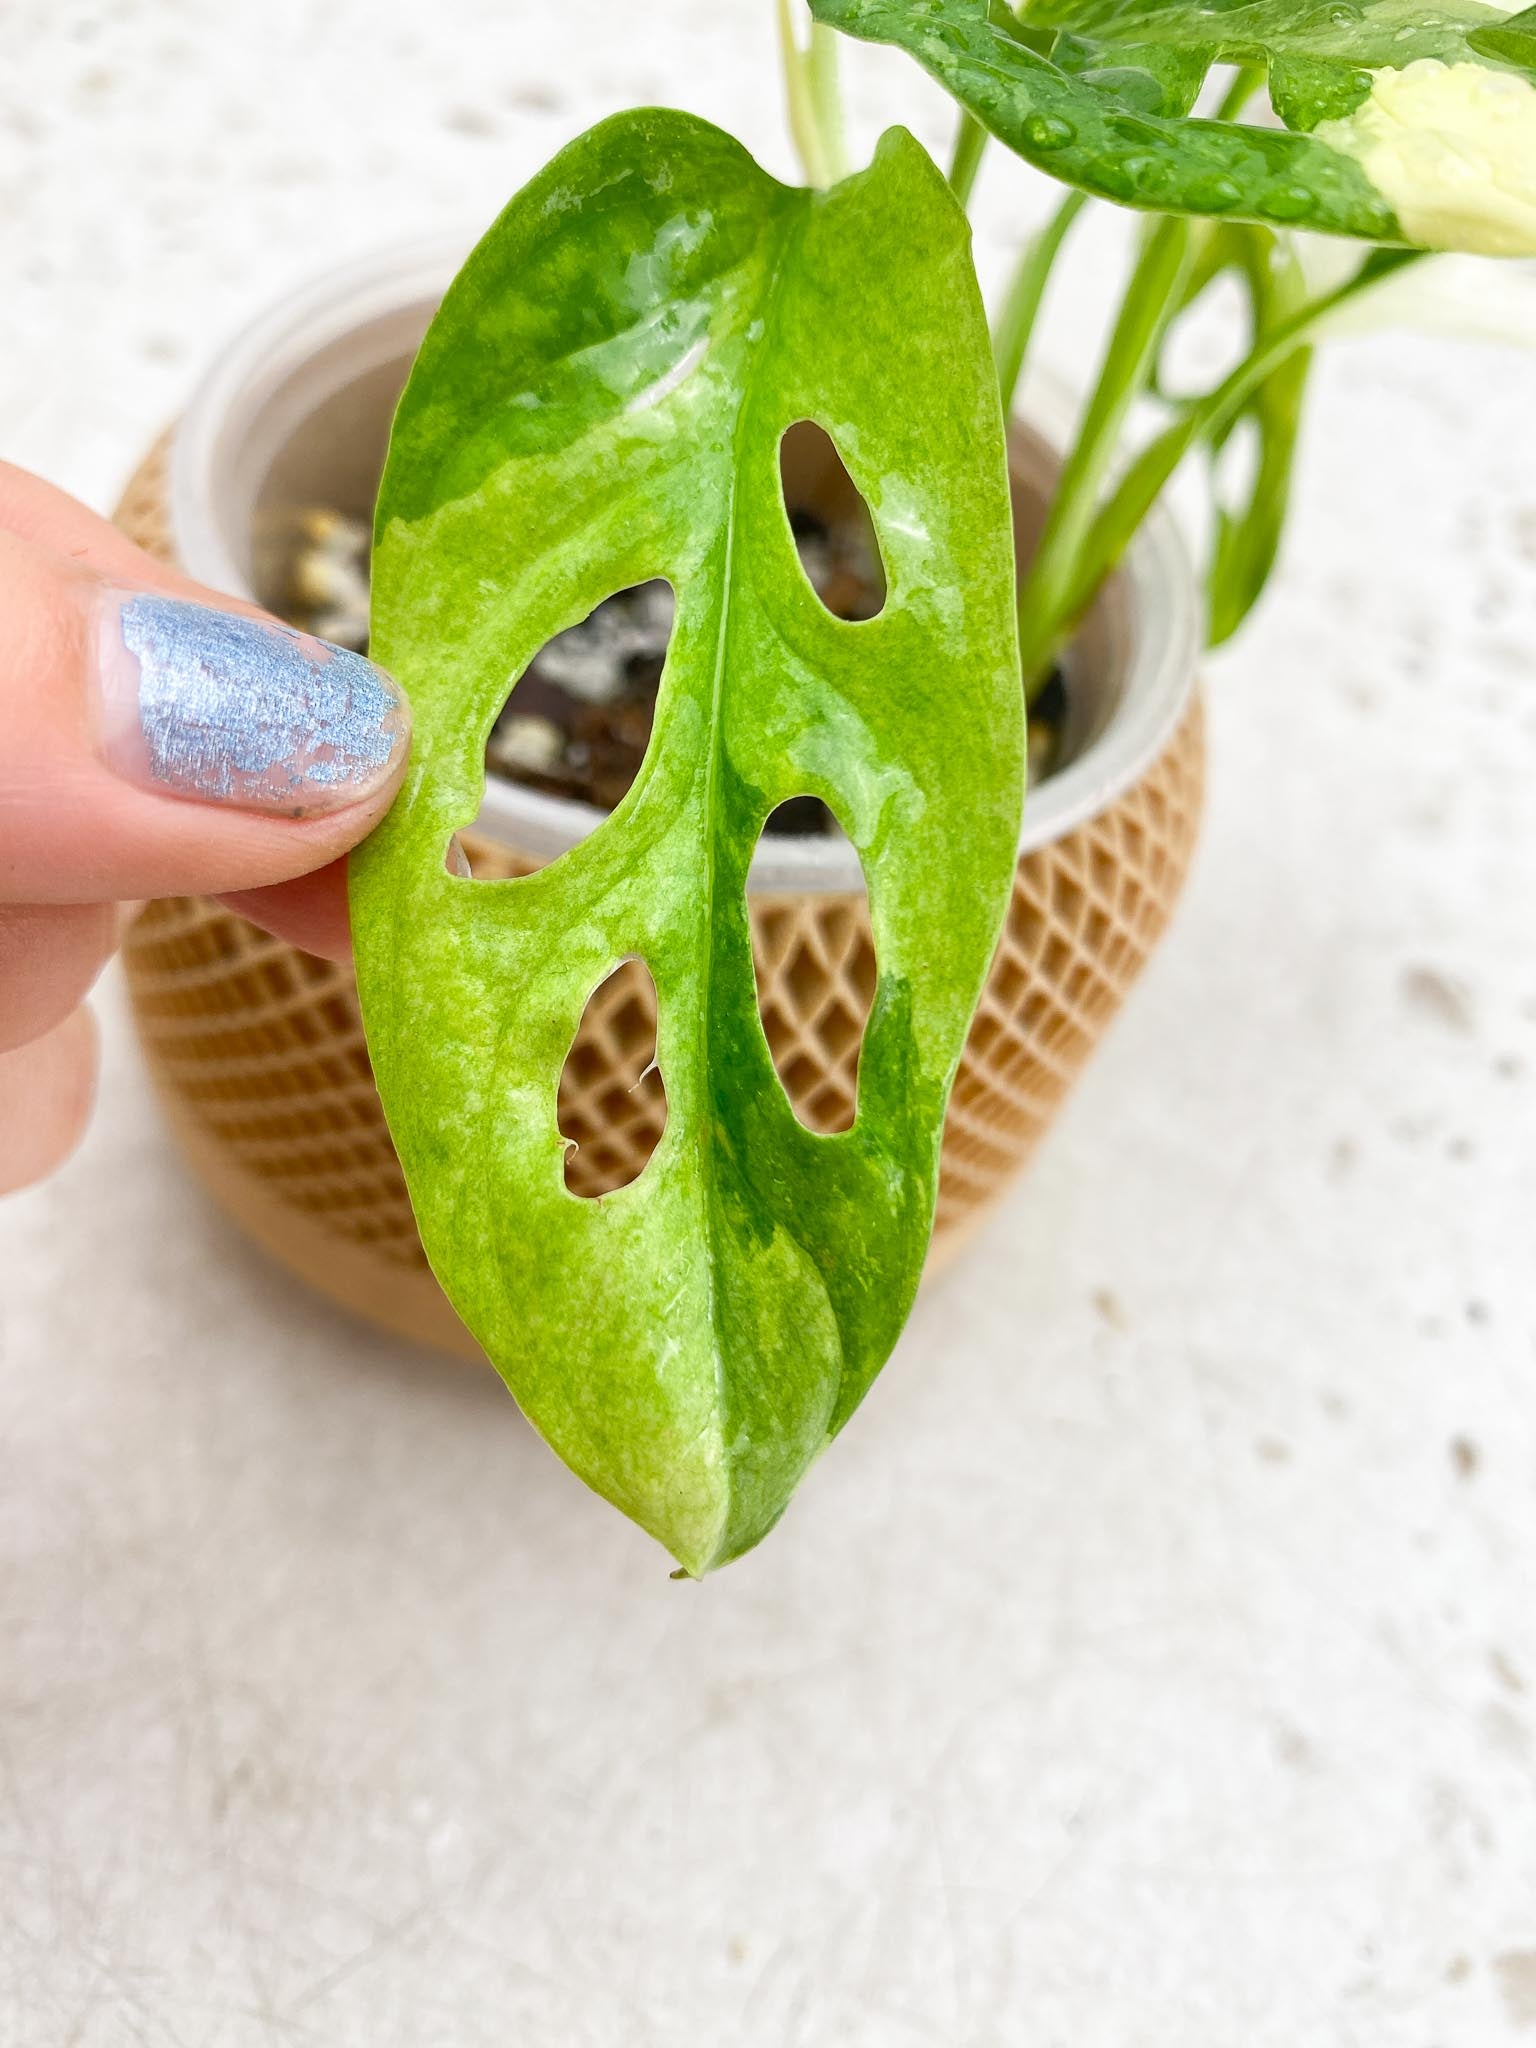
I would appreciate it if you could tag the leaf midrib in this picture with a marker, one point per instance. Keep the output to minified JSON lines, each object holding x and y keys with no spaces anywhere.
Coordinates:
{"x":793,"y":233}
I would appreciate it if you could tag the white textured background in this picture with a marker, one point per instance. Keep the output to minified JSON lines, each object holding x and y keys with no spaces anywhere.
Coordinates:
{"x":1154,"y":1663}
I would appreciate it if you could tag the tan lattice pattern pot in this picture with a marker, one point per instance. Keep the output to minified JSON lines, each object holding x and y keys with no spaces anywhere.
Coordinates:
{"x":257,"y":1049}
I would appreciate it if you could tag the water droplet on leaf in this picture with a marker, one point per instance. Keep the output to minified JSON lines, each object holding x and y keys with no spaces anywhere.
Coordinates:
{"x":1108,"y":174}
{"x":1288,"y":202}
{"x":1048,"y":131}
{"x":1213,"y":193}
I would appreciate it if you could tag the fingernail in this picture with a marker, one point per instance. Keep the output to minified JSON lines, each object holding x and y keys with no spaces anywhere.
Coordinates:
{"x":234,"y":710}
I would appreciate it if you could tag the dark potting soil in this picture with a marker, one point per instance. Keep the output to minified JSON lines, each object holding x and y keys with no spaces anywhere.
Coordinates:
{"x":580,"y":718}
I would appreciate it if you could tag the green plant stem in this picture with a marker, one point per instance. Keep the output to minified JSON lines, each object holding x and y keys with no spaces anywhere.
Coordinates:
{"x":1021,"y":305}
{"x":827,"y":99}
{"x":970,"y":141}
{"x":814,"y":99}
{"x":1245,"y":84}
{"x":1153,"y":290}
{"x":1202,"y":420}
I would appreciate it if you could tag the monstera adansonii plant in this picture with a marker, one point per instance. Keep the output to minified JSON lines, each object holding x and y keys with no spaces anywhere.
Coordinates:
{"x":601,"y":401}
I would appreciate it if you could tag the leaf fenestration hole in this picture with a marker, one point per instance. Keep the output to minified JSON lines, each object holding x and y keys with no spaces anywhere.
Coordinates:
{"x":612,"y":1104}
{"x":813,"y":958}
{"x":833,"y":531}
{"x":579,"y":720}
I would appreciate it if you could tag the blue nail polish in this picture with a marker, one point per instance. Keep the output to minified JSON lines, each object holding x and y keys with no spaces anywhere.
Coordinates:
{"x":243,"y":711}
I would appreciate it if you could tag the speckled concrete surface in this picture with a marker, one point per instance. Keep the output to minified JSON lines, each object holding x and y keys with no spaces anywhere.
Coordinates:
{"x":1154,"y":1665}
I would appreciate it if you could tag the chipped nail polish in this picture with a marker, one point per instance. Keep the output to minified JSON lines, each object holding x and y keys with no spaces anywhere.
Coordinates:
{"x":224,"y":708}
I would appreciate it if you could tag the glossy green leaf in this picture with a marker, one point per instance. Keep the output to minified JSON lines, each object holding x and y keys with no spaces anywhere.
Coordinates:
{"x":1317,"y":55}
{"x":1510,"y":41}
{"x":600,"y":401}
{"x":1402,"y":124}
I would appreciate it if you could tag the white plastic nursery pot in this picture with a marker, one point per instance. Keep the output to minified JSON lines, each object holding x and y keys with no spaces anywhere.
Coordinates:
{"x":257,"y":1049}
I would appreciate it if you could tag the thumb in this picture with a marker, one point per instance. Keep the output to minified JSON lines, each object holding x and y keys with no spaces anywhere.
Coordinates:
{"x":153,"y":745}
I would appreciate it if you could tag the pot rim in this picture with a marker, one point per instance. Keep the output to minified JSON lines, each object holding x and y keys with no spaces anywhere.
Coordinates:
{"x":1156,"y":579}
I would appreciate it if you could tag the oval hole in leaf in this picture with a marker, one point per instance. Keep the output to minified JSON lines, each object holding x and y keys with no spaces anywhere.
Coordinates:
{"x":833,"y":531}
{"x":579,"y":721}
{"x":813,"y":957}
{"x":612,"y":1104}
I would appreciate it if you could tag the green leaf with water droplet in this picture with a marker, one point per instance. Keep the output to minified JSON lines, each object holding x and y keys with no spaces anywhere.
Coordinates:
{"x":1319,"y":55}
{"x":1099,"y":94}
{"x":600,"y":402}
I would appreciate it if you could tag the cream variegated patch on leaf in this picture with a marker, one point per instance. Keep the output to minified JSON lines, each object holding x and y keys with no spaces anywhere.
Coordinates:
{"x":1402,"y":124}
{"x":600,"y":402}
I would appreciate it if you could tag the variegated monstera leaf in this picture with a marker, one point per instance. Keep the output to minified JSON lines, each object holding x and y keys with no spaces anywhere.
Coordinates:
{"x":600,"y":402}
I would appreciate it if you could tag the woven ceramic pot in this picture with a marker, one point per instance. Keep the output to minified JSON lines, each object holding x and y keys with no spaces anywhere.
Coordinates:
{"x":257,"y":1049}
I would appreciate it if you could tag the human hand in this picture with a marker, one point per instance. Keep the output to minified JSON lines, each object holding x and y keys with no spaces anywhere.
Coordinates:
{"x":156,"y":739}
